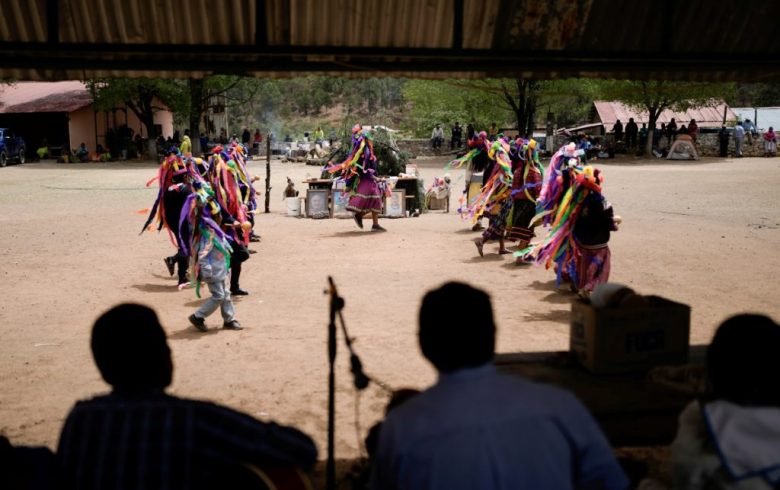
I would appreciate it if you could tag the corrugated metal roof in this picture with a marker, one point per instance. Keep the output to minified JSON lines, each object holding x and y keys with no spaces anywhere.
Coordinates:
{"x":693,"y":40}
{"x":44,"y":97}
{"x":712,"y":116}
{"x":762,"y":117}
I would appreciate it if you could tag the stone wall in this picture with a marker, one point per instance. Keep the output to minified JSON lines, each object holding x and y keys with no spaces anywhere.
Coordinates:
{"x":708,"y":146}
{"x":422,"y":147}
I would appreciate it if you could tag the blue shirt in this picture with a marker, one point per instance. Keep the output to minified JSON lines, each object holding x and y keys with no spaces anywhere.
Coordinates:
{"x":479,"y":429}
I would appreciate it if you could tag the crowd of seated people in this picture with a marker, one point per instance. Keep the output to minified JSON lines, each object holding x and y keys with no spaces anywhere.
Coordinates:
{"x":475,"y":428}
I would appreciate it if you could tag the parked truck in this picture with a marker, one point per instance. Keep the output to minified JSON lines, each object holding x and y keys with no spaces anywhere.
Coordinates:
{"x":12,"y":147}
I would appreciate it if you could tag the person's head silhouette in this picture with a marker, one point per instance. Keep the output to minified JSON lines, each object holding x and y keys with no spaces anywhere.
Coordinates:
{"x":455,"y":338}
{"x":742,"y":362}
{"x":130,"y":350}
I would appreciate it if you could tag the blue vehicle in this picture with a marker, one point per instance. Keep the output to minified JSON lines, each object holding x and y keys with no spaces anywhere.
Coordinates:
{"x":11,"y":147}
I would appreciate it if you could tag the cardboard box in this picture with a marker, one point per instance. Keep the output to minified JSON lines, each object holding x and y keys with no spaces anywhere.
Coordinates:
{"x":619,"y":340}
{"x":437,"y":204}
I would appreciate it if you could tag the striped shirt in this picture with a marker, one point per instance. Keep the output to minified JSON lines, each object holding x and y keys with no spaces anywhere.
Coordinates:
{"x":157,"y":441}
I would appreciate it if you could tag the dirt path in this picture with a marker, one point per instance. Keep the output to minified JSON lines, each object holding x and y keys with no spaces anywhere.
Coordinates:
{"x":704,"y":233}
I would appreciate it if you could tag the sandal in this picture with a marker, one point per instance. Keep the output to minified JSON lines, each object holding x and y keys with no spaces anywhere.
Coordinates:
{"x":479,"y":243}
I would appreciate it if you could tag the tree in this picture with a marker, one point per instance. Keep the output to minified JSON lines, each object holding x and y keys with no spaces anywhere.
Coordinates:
{"x":140,"y":95}
{"x":653,"y":97}
{"x":499,"y":100}
{"x":447,"y":101}
{"x":522,"y":100}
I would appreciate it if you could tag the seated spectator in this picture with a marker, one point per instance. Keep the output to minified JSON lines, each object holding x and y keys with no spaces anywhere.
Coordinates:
{"x":582,"y":142}
{"x":101,"y":154}
{"x":585,"y":144}
{"x":477,"y":428}
{"x":732,"y":439}
{"x":82,"y":153}
{"x":602,"y":149}
{"x":43,"y":150}
{"x":138,"y":436}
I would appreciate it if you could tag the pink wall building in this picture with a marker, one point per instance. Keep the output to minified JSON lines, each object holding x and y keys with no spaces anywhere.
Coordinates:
{"x":62,"y":113}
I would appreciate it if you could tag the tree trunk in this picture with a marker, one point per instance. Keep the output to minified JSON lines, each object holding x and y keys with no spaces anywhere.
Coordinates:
{"x":653,"y":119}
{"x":524,"y":105}
{"x":151,"y":149}
{"x":196,"y":113}
{"x":530,"y":112}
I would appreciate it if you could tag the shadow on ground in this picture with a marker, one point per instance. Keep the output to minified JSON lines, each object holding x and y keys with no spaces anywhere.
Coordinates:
{"x":156,"y":288}
{"x":342,"y":234}
{"x":190,"y":333}
{"x":489,"y":257}
{"x":555,"y":316}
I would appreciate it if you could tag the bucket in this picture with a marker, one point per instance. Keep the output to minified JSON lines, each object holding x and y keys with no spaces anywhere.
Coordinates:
{"x":293,"y":206}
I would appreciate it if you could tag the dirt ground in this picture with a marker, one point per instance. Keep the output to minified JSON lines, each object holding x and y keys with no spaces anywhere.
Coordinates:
{"x":703,"y":233}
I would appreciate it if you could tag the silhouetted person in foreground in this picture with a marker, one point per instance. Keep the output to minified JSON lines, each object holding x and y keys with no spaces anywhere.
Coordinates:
{"x":479,"y":429}
{"x":139,"y":437}
{"x":731,"y":439}
{"x":26,"y":467}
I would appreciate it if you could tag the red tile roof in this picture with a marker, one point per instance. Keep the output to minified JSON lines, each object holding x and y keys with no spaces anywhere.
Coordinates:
{"x":44,"y":97}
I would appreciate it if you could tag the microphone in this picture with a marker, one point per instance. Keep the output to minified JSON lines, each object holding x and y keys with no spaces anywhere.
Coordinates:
{"x":360,"y":378}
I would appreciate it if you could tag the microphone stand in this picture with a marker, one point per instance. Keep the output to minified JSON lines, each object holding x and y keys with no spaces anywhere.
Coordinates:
{"x":360,"y":379}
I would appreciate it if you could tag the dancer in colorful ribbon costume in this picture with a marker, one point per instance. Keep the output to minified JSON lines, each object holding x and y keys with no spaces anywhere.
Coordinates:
{"x":591,"y":234}
{"x":224,"y":178}
{"x":580,"y":220}
{"x":526,"y":184}
{"x":478,"y":161}
{"x":238,"y":153}
{"x":175,"y":177}
{"x":495,"y":197}
{"x":210,"y":249}
{"x":359,"y":172}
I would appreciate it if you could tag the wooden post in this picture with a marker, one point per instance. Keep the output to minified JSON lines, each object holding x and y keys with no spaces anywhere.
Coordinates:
{"x":268,"y":174}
